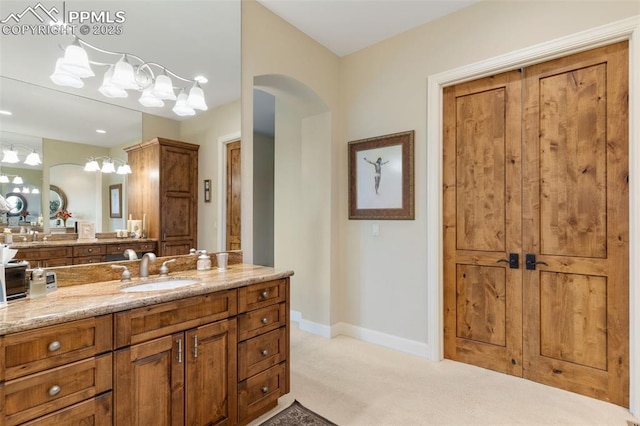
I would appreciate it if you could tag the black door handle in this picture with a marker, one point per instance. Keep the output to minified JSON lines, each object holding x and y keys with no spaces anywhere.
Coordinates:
{"x":514,"y":260}
{"x":530,"y":261}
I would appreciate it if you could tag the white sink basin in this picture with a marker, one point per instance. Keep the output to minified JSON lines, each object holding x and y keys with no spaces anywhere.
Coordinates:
{"x":159,"y":285}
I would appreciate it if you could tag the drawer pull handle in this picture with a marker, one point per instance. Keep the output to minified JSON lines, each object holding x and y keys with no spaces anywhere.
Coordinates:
{"x":179,"y":356}
{"x":54,"y":346}
{"x":264,"y":352}
{"x":264,"y":389}
{"x":265,"y":294}
{"x":54,"y":390}
{"x":265,"y":320}
{"x":195,"y":346}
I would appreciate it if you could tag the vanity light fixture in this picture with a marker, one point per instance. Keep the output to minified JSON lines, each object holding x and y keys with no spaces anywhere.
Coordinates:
{"x":108,"y":166}
{"x":17,"y":180}
{"x":4,"y":178}
{"x":35,"y":191}
{"x":129,"y":72}
{"x":11,"y":156}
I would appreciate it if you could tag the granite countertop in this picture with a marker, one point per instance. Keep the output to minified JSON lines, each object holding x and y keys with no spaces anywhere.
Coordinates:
{"x":87,"y":300}
{"x":62,"y":242}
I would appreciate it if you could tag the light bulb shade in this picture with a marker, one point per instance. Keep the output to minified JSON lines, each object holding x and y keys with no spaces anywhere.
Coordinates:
{"x":17,"y":180}
{"x":16,"y":189}
{"x":35,"y":191}
{"x":110,"y":90}
{"x":181,"y":108}
{"x":10,"y":156}
{"x":149,"y":100}
{"x":107,"y":167}
{"x":4,"y":179}
{"x":123,"y":75}
{"x":76,"y":61}
{"x":124,"y":170}
{"x":196,"y":98}
{"x":33,"y":159}
{"x":91,"y":166}
{"x":25,"y":190}
{"x":163,"y":88}
{"x":63,"y":78}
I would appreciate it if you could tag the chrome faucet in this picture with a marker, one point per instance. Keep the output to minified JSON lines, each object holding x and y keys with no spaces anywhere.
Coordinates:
{"x":144,"y":264}
{"x":130,"y":254}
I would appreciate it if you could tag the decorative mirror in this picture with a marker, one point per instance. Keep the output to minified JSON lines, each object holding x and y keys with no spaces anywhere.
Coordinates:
{"x":17,"y":200}
{"x":57,"y":200}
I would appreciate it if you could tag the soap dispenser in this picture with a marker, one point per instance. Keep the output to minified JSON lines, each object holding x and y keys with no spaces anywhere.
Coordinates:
{"x":38,"y":283}
{"x":204,"y":261}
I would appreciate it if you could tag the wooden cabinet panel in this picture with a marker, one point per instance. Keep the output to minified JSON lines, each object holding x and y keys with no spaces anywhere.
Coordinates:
{"x":260,"y":393}
{"x":211,"y":379}
{"x":147,"y":323}
{"x":88,"y":259}
{"x":139,"y":248}
{"x":149,"y":383}
{"x":262,"y":352}
{"x":89,"y":250}
{"x":37,"y":350}
{"x":95,"y":411}
{"x":35,"y":395}
{"x":261,"y":295}
{"x":260,"y":321}
{"x":177,"y":248}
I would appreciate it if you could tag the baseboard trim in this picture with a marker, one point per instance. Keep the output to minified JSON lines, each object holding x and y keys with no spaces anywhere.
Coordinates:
{"x":367,"y":335}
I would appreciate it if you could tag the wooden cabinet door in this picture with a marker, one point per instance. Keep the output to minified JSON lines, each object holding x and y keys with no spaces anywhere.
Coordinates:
{"x":178,"y":193}
{"x":149,"y":383}
{"x":211,"y":378}
{"x":482,"y":223}
{"x":576,"y":222}
{"x":233,"y":196}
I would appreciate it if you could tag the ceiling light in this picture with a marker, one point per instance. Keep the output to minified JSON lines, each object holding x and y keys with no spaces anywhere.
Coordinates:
{"x":102,"y":132}
{"x":3,"y":112}
{"x":4,"y":179}
{"x":107,"y":167}
{"x":76,"y":61}
{"x":10,"y":156}
{"x":17,"y":180}
{"x":182,"y":108}
{"x":33,"y":159}
{"x":201,"y":79}
{"x":128,"y":72}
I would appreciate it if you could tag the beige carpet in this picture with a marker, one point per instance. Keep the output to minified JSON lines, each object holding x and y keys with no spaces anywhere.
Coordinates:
{"x":351,"y":382}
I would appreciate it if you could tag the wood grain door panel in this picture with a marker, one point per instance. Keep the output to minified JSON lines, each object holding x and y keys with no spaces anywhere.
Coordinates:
{"x":233,"y":196}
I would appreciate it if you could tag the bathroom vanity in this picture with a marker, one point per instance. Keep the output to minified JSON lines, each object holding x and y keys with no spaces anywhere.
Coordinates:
{"x":214,"y":352}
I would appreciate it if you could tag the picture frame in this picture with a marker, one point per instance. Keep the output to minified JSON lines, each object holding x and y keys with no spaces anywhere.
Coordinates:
{"x":381,"y":177}
{"x":115,"y":200}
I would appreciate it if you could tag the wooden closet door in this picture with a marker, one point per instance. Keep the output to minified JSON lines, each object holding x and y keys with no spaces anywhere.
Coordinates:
{"x":482,"y":223}
{"x":575,"y":220}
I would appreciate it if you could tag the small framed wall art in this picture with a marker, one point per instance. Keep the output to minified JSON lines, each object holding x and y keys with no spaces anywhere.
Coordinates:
{"x":381,"y":182}
{"x":115,"y":201}
{"x":207,"y":190}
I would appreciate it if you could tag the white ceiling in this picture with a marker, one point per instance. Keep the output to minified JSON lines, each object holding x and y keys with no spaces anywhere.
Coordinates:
{"x":346,"y":26}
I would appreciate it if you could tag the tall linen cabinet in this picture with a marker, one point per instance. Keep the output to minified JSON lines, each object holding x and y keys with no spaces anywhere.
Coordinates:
{"x":162,"y":188}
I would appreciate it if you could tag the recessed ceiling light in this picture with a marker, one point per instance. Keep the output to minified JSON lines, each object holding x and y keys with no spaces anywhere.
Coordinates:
{"x":101,"y":131}
{"x":201,"y":79}
{"x":3,"y":112}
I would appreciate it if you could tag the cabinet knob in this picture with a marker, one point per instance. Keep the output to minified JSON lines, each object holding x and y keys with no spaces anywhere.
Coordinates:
{"x":265,"y":320}
{"x":264,"y":389}
{"x":54,"y":390}
{"x":90,"y":250}
{"x":54,"y":346}
{"x":265,"y":294}
{"x":264,"y":352}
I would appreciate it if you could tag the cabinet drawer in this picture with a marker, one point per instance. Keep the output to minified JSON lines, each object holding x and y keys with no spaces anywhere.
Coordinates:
{"x":88,"y":259}
{"x":142,"y":324}
{"x":139,"y":248}
{"x":258,"y":354}
{"x":36,"y":350}
{"x":42,"y":393}
{"x":92,"y":250}
{"x":260,"y":295}
{"x":96,"y":411}
{"x":259,"y":393}
{"x":260,"y":321}
{"x":44,"y":253}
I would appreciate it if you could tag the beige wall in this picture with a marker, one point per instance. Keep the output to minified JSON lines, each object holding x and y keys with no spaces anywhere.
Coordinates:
{"x":379,"y":283}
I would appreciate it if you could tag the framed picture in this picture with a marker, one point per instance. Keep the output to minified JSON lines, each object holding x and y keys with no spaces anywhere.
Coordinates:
{"x":115,"y":200}
{"x":381,"y":179}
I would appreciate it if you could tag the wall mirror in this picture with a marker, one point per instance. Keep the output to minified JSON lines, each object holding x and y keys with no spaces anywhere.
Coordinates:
{"x":57,"y":201}
{"x":18,"y":201}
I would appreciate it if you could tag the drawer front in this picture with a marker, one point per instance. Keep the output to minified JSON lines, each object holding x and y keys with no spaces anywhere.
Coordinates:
{"x":139,"y":248}
{"x":142,"y":324}
{"x":43,"y":253}
{"x":93,"y":250}
{"x":96,"y":411}
{"x":260,"y":295}
{"x":85,"y":260}
{"x":37,"y":350}
{"x":42,"y":393}
{"x":260,"y":321}
{"x":262,"y":352}
{"x":260,"y":392}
